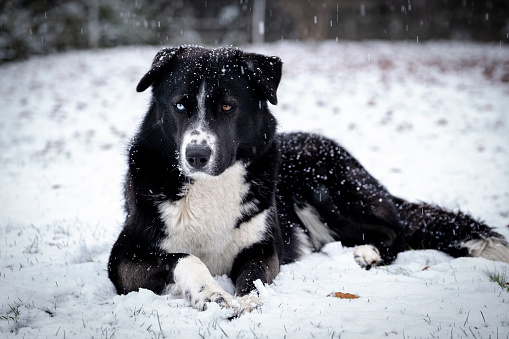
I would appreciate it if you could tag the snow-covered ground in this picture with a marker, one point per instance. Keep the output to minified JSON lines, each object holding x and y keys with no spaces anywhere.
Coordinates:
{"x":430,"y":121}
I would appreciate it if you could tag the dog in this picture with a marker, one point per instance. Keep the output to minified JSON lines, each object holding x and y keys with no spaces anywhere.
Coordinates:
{"x":213,"y":189}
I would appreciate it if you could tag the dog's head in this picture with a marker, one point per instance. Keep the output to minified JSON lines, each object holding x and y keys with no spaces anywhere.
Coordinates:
{"x":212,"y":104}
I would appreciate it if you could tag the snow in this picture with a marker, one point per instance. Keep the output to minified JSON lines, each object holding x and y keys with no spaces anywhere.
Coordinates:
{"x":430,"y":121}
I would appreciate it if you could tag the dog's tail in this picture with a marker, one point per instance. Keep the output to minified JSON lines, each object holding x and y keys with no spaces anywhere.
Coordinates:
{"x":455,"y":233}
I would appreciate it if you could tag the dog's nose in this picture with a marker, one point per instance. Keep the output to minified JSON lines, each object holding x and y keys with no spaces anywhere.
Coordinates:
{"x":198,"y":156}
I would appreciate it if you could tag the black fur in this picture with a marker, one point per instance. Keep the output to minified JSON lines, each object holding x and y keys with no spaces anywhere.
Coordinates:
{"x":433,"y":227}
{"x":284,"y":173}
{"x":357,"y":208}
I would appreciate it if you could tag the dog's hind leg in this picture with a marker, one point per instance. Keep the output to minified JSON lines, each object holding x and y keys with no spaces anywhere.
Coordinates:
{"x":455,"y":233}
{"x":132,"y":267}
{"x":337,"y":199}
{"x":367,"y":256}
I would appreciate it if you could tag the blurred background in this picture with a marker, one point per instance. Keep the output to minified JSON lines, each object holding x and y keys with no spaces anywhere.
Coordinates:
{"x":43,"y":27}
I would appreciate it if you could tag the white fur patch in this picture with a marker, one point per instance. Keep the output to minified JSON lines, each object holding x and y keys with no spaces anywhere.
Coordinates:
{"x":203,"y":221}
{"x":367,"y":256}
{"x":319,"y":233}
{"x":489,"y":248}
{"x":199,"y":133}
{"x":304,"y":245}
{"x":202,"y":95}
{"x":199,"y":288}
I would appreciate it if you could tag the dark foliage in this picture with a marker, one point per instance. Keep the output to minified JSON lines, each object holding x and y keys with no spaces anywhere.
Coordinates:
{"x":31,"y":27}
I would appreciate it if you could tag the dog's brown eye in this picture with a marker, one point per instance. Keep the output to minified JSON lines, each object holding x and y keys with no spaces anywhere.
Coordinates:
{"x":226,"y":108}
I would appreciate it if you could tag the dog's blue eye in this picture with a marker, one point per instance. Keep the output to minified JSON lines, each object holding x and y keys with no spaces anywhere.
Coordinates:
{"x":180,"y":107}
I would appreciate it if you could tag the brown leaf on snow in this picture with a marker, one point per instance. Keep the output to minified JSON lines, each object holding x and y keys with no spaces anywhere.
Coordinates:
{"x":342,"y":295}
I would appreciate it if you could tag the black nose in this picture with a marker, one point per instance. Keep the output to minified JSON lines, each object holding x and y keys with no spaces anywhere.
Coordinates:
{"x":198,"y":156}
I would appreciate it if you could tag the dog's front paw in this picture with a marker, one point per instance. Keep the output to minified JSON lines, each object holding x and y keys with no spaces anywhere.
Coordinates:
{"x":245,"y":304}
{"x":208,"y":295}
{"x":367,"y":256}
{"x":239,"y":305}
{"x":199,"y":287}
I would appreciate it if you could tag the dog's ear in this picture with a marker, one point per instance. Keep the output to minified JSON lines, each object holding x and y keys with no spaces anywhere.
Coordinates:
{"x":162,"y":59}
{"x":266,"y":72}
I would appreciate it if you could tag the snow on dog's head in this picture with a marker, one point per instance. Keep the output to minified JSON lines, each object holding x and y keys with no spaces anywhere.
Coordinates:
{"x":210,"y":103}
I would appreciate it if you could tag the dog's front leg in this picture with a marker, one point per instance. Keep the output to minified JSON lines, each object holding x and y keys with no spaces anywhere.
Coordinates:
{"x":199,"y":287}
{"x":261,"y":261}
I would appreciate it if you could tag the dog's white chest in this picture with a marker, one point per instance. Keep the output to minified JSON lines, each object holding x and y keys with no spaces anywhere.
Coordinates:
{"x":203,"y":221}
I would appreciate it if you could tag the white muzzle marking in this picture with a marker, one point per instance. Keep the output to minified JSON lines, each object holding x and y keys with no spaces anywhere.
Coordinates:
{"x":198,"y":151}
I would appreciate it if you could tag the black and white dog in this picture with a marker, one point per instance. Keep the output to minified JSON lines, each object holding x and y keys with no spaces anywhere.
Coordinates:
{"x":212,"y":189}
